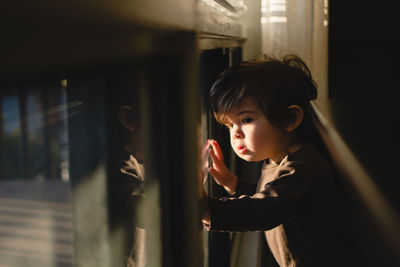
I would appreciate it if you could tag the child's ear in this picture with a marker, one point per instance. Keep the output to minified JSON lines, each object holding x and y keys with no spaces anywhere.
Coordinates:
{"x":125,"y":116}
{"x":297,"y":116}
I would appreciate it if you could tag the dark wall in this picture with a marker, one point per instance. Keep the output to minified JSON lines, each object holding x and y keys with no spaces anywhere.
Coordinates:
{"x":363,"y":49}
{"x":364,"y":76}
{"x":363,"y":90}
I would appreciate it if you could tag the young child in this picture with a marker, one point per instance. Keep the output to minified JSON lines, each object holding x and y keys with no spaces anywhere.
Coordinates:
{"x":265,"y":105}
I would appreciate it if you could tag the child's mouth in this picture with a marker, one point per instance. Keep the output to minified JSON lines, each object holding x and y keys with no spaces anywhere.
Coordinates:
{"x":241,"y":149}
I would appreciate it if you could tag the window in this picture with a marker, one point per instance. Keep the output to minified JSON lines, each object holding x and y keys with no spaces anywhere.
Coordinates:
{"x":35,"y":208}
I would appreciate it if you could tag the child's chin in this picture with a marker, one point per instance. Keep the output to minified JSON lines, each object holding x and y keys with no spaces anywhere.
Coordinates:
{"x":247,"y":158}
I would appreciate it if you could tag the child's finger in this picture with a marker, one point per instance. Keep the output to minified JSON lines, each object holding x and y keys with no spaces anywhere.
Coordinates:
{"x":212,"y":154}
{"x":205,"y":148}
{"x":217,"y":150}
{"x":204,"y":153}
{"x":214,"y":158}
{"x":217,"y":163}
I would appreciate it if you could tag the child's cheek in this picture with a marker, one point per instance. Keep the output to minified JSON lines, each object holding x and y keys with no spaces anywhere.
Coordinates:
{"x":233,"y":146}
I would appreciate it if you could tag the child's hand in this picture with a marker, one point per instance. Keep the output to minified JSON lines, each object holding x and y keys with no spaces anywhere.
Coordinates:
{"x":205,"y":162}
{"x":204,"y":211}
{"x":222,"y":175}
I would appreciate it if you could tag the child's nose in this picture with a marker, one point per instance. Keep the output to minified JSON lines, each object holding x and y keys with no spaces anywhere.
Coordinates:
{"x":238,"y":133}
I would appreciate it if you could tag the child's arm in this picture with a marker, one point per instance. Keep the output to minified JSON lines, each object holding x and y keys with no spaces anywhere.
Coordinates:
{"x":222,"y":175}
{"x":283,"y":199}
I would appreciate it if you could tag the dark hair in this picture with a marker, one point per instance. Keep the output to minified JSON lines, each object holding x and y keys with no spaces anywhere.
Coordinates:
{"x":274,"y":85}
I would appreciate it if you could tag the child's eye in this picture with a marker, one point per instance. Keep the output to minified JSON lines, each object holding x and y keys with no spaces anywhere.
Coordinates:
{"x":247,"y":120}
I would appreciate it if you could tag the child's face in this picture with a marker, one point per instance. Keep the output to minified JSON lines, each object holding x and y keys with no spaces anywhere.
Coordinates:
{"x":253,"y":137}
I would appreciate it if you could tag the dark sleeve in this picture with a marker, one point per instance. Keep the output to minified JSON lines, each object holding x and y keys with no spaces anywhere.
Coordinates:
{"x":245,"y":187}
{"x":280,"y":199}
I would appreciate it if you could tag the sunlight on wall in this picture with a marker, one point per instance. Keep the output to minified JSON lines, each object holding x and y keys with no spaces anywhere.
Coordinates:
{"x":299,"y":27}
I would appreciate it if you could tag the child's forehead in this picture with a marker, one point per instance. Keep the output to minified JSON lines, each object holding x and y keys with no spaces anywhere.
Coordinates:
{"x":246,"y":107}
{"x":245,"y":104}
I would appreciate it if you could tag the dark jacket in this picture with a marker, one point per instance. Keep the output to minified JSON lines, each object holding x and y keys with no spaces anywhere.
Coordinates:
{"x":299,"y":207}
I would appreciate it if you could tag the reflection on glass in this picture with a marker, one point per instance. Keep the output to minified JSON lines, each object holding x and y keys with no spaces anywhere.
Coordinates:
{"x":231,"y":8}
{"x":127,"y":169}
{"x":36,"y":134}
{"x":72,"y":173}
{"x":11,"y":161}
{"x":133,"y":169}
{"x":35,"y":212}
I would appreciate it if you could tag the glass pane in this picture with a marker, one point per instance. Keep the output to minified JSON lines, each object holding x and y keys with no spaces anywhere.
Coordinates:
{"x":107,"y":168}
{"x":35,"y":210}
{"x":100,"y":177}
{"x":11,"y":137}
{"x":36,"y":134}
